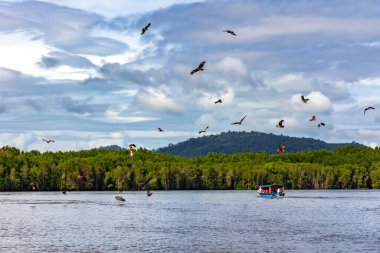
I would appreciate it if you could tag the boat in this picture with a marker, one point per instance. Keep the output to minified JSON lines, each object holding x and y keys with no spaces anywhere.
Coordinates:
{"x":271,"y":190}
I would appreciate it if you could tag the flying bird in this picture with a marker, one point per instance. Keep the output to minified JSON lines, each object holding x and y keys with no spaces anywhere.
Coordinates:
{"x":369,"y":108}
{"x":199,"y":68}
{"x":33,"y":185}
{"x":238,"y":122}
{"x":119,"y":198}
{"x":148,"y":193}
{"x":313,"y":118}
{"x":280,"y":149}
{"x":82,"y":177}
{"x":145,"y":28}
{"x":48,"y":141}
{"x":160,"y":129}
{"x":131,"y":149}
{"x":203,"y":131}
{"x":321,"y":124}
{"x":304,"y":100}
{"x":230,"y":32}
{"x":280,"y":124}
{"x":218,"y":101}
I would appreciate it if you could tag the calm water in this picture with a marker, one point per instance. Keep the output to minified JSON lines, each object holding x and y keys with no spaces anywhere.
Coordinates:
{"x":190,"y":221}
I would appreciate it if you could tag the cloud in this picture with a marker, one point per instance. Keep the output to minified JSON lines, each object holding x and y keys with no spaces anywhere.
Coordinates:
{"x":60,"y":58}
{"x":159,"y":99}
{"x":84,"y":67}
{"x":81,"y":106}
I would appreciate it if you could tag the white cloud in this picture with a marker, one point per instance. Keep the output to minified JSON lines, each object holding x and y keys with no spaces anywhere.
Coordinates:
{"x":159,"y":98}
{"x":119,"y":7}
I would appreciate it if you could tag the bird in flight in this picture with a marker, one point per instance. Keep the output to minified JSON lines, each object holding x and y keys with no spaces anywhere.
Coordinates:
{"x":280,"y":149}
{"x":219,"y":101}
{"x":82,"y":174}
{"x":148,"y":193}
{"x":369,"y":108}
{"x":313,"y":118}
{"x":321,"y":124}
{"x":119,"y":198}
{"x":230,"y":32}
{"x":160,"y":129}
{"x":48,"y":141}
{"x":33,"y":185}
{"x":304,"y":100}
{"x":280,"y":124}
{"x":145,"y":28}
{"x":199,"y":68}
{"x":131,"y":148}
{"x":238,"y":122}
{"x":203,"y":131}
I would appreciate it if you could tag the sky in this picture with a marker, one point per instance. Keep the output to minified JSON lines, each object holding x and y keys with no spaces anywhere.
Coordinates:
{"x":81,"y":73}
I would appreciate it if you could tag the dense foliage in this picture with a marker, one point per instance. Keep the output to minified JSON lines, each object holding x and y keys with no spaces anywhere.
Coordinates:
{"x":347,"y":167}
{"x":237,"y":142}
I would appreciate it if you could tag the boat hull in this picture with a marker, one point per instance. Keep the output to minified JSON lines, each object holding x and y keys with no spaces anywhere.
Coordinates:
{"x":271,"y":195}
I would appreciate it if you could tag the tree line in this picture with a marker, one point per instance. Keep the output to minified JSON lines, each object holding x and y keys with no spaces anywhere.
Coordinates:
{"x":345,"y":168}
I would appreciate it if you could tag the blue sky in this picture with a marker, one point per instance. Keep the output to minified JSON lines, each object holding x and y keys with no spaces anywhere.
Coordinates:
{"x":79,"y":72}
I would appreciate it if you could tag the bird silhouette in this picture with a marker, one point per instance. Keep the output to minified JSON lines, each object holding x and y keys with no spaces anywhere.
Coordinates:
{"x":280,"y":124}
{"x":145,"y":28}
{"x":148,"y":193}
{"x":199,"y":68}
{"x":230,"y":32}
{"x":119,"y":198}
{"x":304,"y":100}
{"x":203,"y":131}
{"x":321,"y":124}
{"x":280,"y":149}
{"x":48,"y":141}
{"x":369,"y":108}
{"x":313,"y":118}
{"x":160,"y":129}
{"x":238,"y":122}
{"x":218,"y":101}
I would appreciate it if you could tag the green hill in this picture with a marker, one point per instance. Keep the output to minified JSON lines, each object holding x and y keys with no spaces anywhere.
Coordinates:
{"x":237,"y":142}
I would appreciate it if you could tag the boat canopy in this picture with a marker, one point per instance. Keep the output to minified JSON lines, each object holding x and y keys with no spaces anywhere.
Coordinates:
{"x":271,"y":185}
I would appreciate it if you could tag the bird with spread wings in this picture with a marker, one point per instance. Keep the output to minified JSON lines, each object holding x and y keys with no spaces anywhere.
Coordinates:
{"x":199,"y":68}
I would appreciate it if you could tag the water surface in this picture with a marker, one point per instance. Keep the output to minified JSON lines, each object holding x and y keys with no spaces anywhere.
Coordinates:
{"x":190,"y":221}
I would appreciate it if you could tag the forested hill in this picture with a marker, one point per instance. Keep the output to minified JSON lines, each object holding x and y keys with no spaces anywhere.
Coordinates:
{"x":237,"y":142}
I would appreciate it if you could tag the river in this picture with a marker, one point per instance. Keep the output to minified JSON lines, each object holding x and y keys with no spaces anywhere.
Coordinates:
{"x":190,"y":221}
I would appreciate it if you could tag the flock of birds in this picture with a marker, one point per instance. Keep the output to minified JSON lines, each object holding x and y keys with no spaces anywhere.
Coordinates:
{"x":82,"y":175}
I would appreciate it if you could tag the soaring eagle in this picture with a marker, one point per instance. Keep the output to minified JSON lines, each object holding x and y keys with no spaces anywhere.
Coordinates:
{"x":238,"y":122}
{"x":199,"y":68}
{"x":369,"y":108}
{"x":203,"y":131}
{"x":304,"y":100}
{"x":145,"y":28}
{"x":280,"y":124}
{"x":230,"y":32}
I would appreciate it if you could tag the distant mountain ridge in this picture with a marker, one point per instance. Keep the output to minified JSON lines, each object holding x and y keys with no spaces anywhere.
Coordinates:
{"x":237,"y":142}
{"x":112,"y":147}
